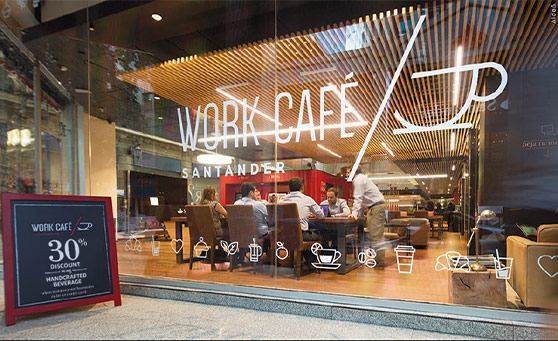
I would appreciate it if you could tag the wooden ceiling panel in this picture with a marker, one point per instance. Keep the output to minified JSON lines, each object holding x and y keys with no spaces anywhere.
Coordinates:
{"x":514,"y":34}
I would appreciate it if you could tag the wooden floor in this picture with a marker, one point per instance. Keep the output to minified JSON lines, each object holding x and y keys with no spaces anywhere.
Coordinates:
{"x":424,"y":284}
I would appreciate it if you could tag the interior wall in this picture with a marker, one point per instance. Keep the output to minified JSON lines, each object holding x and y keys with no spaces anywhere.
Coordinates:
{"x":100,"y":159}
{"x":519,"y":147}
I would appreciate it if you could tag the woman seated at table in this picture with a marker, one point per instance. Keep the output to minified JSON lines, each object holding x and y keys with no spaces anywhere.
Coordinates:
{"x":209,"y":197}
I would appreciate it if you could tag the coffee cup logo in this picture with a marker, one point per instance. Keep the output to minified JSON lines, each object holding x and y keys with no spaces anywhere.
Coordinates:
{"x":327,"y":258}
{"x":471,"y":96}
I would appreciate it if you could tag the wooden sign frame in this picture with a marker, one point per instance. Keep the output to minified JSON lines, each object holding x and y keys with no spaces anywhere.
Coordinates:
{"x":9,"y":272}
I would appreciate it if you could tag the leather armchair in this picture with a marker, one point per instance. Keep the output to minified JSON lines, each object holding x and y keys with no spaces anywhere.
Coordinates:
{"x":418,"y":227}
{"x":534,"y":275}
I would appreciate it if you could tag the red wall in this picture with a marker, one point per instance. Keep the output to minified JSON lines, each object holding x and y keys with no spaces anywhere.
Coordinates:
{"x":314,"y":184}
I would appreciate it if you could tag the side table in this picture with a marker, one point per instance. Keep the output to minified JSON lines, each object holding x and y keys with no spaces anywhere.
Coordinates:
{"x":479,"y":288}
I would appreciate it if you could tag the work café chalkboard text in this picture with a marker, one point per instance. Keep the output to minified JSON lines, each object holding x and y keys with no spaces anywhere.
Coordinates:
{"x":59,"y":252}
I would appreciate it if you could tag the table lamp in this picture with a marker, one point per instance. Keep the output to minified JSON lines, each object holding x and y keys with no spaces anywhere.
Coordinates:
{"x":485,"y":215}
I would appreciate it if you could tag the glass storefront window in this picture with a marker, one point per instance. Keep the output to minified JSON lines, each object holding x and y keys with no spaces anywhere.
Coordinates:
{"x":423,"y":135}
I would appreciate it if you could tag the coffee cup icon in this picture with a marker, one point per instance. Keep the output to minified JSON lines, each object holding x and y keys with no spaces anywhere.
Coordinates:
{"x":328,"y":256}
{"x":471,"y":96}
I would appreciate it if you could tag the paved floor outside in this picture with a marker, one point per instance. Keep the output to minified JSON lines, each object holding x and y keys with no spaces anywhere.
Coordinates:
{"x":149,"y":318}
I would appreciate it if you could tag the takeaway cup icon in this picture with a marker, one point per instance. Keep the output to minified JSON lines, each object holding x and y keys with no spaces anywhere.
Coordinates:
{"x":405,"y":256}
{"x":503,"y":266}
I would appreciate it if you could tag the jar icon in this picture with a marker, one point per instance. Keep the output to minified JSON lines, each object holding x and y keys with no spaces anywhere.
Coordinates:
{"x":255,"y":251}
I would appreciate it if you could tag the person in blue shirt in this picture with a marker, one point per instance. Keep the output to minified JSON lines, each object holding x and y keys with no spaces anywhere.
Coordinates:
{"x":248,"y":191}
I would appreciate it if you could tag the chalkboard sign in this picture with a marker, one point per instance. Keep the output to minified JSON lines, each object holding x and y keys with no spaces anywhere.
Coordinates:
{"x":59,"y":252}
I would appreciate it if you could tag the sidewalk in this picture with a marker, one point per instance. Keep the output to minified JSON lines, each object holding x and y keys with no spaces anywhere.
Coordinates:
{"x":148,"y":318}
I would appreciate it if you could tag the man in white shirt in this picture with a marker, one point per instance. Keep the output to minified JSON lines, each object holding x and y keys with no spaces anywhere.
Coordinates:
{"x":306,"y":206}
{"x":367,"y":195}
{"x":248,"y":191}
{"x":337,"y":207}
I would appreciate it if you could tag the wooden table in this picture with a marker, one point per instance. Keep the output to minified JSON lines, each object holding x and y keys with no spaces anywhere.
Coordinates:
{"x":340,"y":225}
{"x":440,"y":220}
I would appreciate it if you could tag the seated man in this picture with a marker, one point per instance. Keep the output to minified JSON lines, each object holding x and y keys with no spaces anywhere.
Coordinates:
{"x":248,"y":191}
{"x":258,"y":197}
{"x":337,"y":207}
{"x":306,"y":206}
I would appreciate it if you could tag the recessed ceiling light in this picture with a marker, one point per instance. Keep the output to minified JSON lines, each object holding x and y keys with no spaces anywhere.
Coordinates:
{"x":62,"y":68}
{"x":91,"y":28}
{"x":157,"y":97}
{"x":156,"y":17}
{"x":160,"y":117}
{"x":214,"y":159}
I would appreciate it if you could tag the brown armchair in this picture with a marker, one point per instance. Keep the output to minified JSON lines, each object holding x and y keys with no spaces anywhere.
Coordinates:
{"x":242,"y":229}
{"x":200,"y":223}
{"x":534,"y":275}
{"x":417,"y":227}
{"x":288,"y":231}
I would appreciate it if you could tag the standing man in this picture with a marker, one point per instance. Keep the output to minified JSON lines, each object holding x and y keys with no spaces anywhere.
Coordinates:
{"x":248,"y":191}
{"x":337,"y":207}
{"x":306,"y":206}
{"x":367,"y":195}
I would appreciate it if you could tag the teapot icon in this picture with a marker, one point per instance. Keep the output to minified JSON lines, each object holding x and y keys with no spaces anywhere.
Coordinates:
{"x":255,"y":251}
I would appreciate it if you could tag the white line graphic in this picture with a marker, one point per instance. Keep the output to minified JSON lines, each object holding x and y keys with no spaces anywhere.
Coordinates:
{"x":543,"y":268}
{"x":386,"y":97}
{"x":454,"y":261}
{"x":155,"y":249}
{"x":176,"y":242}
{"x":411,"y":128}
{"x":201,"y":249}
{"x":279,"y":248}
{"x":231,"y":249}
{"x":326,"y":257}
{"x":367,"y":257}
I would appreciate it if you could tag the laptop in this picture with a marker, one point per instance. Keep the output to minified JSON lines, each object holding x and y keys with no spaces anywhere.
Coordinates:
{"x":325,"y":209}
{"x":527,"y":230}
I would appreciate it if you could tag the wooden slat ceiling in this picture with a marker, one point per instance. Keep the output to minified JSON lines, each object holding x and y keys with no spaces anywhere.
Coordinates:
{"x":515,"y":34}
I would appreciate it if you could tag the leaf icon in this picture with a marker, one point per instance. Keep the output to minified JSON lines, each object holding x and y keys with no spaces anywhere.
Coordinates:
{"x":233,"y":247}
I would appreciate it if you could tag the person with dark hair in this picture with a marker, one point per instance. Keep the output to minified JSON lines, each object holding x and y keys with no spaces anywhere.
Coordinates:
{"x":438,"y":210}
{"x":258,"y":197}
{"x":368,"y":196}
{"x":306,"y":206}
{"x":209,"y":197}
{"x":337,"y":207}
{"x":430,"y":206}
{"x":248,"y":191}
